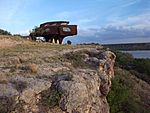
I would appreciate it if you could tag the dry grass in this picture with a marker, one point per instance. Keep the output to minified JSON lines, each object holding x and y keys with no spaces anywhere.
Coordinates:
{"x":23,"y":57}
{"x":9,"y":41}
{"x":17,"y":66}
{"x":33,"y":68}
{"x":3,"y":81}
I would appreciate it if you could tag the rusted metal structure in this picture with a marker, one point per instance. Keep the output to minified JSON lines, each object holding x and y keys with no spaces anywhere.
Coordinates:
{"x":54,"y":31}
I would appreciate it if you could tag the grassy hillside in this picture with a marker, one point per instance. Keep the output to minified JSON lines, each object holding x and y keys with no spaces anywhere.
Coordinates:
{"x":131,"y":86}
{"x":29,"y":68}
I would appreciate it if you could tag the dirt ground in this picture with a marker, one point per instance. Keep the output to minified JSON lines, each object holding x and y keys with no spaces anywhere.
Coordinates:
{"x":8,"y":43}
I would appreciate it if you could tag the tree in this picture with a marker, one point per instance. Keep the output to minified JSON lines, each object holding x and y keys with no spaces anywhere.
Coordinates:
{"x":34,"y":29}
{"x":4,"y":32}
{"x":69,"y":42}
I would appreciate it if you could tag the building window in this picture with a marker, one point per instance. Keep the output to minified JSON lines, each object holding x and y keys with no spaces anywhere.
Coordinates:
{"x":66,"y":29}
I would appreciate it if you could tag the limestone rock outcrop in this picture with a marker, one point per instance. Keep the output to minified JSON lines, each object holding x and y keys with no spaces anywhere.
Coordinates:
{"x":71,"y":90}
{"x":86,"y":91}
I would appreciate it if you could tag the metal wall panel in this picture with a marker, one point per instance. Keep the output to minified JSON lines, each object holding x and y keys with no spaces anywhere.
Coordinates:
{"x":68,"y":30}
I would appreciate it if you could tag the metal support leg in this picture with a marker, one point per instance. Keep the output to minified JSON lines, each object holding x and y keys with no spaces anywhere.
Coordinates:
{"x":55,"y":40}
{"x":60,"y":40}
{"x":51,"y":40}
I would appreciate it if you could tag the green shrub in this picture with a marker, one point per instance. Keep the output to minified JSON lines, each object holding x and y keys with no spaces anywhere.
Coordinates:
{"x":4,"y":32}
{"x":76,"y":58}
{"x":69,"y":42}
{"x":118,"y":95}
{"x":122,"y":97}
{"x":124,"y":60}
{"x":54,"y":98}
{"x":142,"y":65}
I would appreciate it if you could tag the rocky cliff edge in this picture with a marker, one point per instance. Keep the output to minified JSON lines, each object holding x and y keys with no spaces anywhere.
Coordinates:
{"x":71,"y":81}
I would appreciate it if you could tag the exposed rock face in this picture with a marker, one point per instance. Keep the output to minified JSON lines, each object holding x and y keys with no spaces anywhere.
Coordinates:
{"x":84,"y":90}
{"x":22,"y":94}
{"x":87,"y":90}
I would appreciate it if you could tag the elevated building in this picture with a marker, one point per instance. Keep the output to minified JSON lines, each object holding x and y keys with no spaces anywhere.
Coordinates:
{"x":54,"y":31}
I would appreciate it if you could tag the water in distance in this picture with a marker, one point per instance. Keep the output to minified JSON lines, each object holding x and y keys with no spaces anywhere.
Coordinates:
{"x":139,"y":53}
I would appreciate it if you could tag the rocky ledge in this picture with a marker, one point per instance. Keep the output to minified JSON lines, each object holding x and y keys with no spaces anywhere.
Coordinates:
{"x":73,"y":89}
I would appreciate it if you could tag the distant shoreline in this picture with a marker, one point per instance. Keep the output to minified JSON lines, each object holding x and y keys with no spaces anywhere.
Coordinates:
{"x":129,"y":46}
{"x":139,"y":53}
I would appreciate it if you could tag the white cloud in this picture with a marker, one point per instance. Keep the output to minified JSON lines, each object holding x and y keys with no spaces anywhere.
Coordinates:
{"x":77,"y":17}
{"x":131,"y":29}
{"x":23,"y":33}
{"x":129,"y":3}
{"x":133,"y":22}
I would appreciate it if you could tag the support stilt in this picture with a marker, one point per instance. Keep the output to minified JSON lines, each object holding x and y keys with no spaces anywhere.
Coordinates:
{"x":57,"y":41}
{"x":60,"y":40}
{"x":50,"y":40}
{"x":53,"y":41}
{"x":47,"y":39}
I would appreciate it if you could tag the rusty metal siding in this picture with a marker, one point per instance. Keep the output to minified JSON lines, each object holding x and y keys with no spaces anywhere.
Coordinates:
{"x":57,"y":30}
{"x":68,"y":30}
{"x":51,"y":30}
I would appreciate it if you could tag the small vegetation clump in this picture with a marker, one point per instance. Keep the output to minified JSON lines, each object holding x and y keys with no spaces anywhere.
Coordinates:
{"x":142,"y":65}
{"x":76,"y":58}
{"x":6,"y":104}
{"x":118,"y":95}
{"x":28,"y":68}
{"x":4,"y":32}
{"x":69,"y":42}
{"x":19,"y":85}
{"x":54,"y":98}
{"x":124,"y":60}
{"x":33,"y":68}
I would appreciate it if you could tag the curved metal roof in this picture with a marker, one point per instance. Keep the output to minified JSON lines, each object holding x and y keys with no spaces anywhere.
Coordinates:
{"x":55,"y":22}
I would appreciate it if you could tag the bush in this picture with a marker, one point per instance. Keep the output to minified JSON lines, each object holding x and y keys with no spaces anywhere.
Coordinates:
{"x":3,"y":32}
{"x":69,"y":42}
{"x":142,"y":65}
{"x":124,"y":60}
{"x":54,"y":98}
{"x":19,"y":85}
{"x":118,"y":96}
{"x":33,"y":68}
{"x":122,"y":98}
{"x":51,"y":97}
{"x":76,"y":58}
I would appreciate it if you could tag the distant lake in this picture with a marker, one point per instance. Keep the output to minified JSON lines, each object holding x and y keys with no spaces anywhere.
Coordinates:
{"x":139,"y":54}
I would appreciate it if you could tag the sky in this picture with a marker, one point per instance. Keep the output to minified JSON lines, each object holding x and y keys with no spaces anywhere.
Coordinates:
{"x":99,"y":21}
